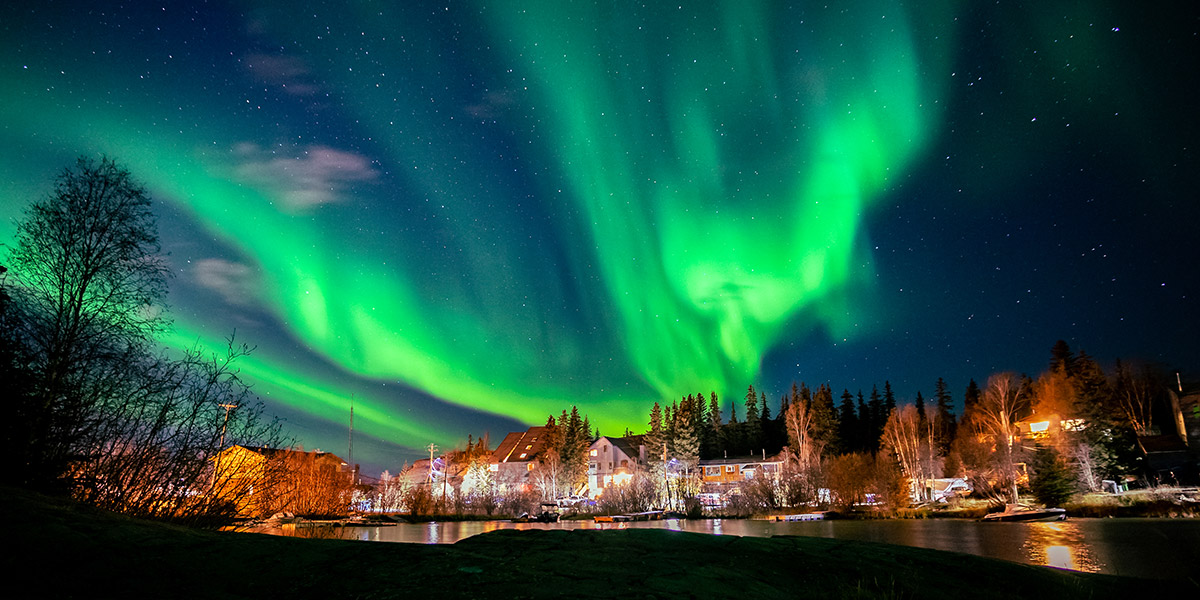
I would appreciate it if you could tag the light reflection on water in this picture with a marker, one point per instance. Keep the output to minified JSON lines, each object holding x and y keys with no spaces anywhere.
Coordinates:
{"x":1156,"y":548}
{"x":1060,"y":544}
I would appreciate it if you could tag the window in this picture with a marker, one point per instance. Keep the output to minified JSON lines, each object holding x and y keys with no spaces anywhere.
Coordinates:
{"x":522,"y":455}
{"x":712,"y":471}
{"x":529,"y":447}
{"x":494,"y":467}
{"x":529,"y":467}
{"x":595,"y":452}
{"x":729,"y":468}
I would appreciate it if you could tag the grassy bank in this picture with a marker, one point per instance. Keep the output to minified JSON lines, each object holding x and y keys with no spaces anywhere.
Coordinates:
{"x":69,"y":552}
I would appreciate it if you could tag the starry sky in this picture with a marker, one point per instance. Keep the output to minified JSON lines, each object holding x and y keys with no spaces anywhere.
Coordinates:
{"x":465,"y":216}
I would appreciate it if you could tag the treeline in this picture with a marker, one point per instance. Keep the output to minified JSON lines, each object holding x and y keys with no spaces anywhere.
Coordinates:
{"x":1089,"y":420}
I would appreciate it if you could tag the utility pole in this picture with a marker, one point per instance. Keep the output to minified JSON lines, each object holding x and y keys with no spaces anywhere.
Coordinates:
{"x":350,"y":451}
{"x":227,"y":407}
{"x":432,"y":447}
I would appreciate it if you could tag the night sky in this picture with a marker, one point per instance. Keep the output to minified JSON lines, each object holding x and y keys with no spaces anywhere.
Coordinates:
{"x":468,"y":216}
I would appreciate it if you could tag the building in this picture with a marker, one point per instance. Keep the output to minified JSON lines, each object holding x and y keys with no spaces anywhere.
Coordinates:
{"x":260,"y":481}
{"x":517,"y":456}
{"x":722,"y":475}
{"x":613,"y":461}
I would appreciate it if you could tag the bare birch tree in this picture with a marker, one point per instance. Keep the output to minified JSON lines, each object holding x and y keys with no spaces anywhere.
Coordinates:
{"x":997,"y":413}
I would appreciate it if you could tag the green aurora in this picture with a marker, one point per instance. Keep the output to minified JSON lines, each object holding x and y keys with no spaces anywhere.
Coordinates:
{"x":507,"y":208}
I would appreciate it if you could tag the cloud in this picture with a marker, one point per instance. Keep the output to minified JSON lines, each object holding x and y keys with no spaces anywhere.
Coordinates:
{"x":316,"y":175}
{"x":492,"y":106}
{"x":286,"y":72}
{"x":235,"y":282}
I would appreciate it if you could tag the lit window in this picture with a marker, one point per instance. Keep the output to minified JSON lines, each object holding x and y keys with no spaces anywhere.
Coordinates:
{"x":1039,"y":427}
{"x":529,"y":447}
{"x":728,"y":468}
{"x":523,"y":455}
{"x":494,"y":467}
{"x":529,"y":467}
{"x":595,"y":452}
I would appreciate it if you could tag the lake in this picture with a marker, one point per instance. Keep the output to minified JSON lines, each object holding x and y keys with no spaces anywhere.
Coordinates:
{"x":1154,"y":548}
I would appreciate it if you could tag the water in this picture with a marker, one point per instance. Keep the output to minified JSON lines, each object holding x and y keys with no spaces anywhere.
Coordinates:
{"x":1153,"y":548}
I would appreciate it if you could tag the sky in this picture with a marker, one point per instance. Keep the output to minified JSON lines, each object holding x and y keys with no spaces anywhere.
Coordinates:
{"x":462,"y":217}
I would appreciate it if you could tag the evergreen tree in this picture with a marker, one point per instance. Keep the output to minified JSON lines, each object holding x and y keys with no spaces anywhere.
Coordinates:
{"x":878,"y":418}
{"x":1053,"y":482}
{"x":946,"y":422}
{"x":687,"y":442}
{"x":753,"y":426}
{"x":714,"y":425}
{"x":889,"y":400}
{"x":861,"y":434}
{"x":1061,"y":358}
{"x":919,"y":402}
{"x":656,"y":441}
{"x":971,"y":396}
{"x":825,"y":422}
{"x":847,"y":423}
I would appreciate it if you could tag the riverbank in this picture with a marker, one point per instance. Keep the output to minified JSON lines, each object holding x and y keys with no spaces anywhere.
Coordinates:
{"x":73,"y":552}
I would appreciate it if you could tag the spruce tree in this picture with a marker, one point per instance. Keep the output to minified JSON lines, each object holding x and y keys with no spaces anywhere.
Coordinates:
{"x":825,"y":421}
{"x":889,"y":400}
{"x":861,"y":434}
{"x":945,"y":415}
{"x":919,"y":402}
{"x":847,"y":423}
{"x":753,"y":426}
{"x":878,"y":418}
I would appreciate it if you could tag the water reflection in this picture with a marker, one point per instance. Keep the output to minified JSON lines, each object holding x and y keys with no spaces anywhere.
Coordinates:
{"x":1060,"y":544}
{"x":1157,"y":548}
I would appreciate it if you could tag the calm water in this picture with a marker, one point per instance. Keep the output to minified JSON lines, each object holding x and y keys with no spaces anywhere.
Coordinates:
{"x":1156,"y":548}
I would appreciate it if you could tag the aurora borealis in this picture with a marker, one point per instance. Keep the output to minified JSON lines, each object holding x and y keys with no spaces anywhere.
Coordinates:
{"x":470,"y":215}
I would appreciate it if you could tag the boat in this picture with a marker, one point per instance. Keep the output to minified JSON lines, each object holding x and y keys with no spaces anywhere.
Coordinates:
{"x":549,"y":514}
{"x":1024,"y":512}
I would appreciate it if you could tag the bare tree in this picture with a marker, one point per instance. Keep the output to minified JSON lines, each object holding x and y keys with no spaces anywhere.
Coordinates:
{"x":105,"y":416}
{"x":1135,"y":392}
{"x":997,"y":414}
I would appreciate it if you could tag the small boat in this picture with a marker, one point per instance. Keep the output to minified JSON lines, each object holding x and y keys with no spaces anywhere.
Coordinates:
{"x":1024,"y":512}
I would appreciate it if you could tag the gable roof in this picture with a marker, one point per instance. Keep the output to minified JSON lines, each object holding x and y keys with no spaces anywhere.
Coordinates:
{"x":629,"y":445}
{"x":528,"y":443}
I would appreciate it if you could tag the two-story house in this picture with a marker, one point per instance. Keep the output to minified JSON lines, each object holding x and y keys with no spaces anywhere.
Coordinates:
{"x":613,"y":461}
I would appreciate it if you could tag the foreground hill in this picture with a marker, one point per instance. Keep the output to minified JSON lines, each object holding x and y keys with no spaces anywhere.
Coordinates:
{"x":66,"y":551}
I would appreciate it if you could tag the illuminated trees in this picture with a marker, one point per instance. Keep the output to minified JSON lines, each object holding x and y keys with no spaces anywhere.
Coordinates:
{"x":997,"y":412}
{"x":912,"y":441}
{"x":103,"y":415}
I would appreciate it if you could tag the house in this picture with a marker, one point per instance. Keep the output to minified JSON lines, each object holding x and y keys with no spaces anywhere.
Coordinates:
{"x":1040,"y":427}
{"x":613,"y":461}
{"x":259,"y":480}
{"x":721,"y":475}
{"x":517,"y":456}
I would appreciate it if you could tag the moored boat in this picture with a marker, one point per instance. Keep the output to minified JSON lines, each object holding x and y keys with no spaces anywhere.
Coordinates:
{"x":1024,"y":512}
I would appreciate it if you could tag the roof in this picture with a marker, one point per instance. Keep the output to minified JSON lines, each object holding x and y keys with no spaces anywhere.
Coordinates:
{"x":629,"y":445}
{"x":741,"y":460}
{"x":269,"y":452}
{"x":521,"y":446}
